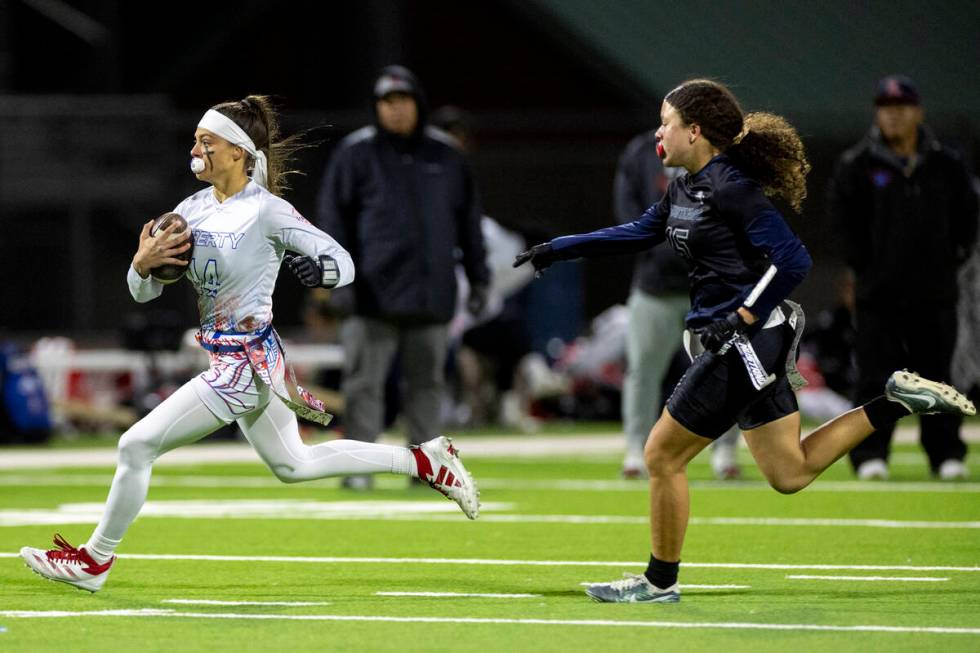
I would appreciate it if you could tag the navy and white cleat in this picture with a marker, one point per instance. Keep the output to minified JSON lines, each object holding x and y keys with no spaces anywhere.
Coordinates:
{"x":633,"y":589}
{"x":925,"y":397}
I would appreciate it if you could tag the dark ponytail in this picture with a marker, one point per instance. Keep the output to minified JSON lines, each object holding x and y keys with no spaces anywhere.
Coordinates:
{"x":771,"y":152}
{"x":258,"y":118}
{"x":762,"y":145}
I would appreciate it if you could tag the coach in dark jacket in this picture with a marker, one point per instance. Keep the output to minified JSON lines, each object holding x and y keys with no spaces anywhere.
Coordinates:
{"x":907,"y":215}
{"x":399,"y":196}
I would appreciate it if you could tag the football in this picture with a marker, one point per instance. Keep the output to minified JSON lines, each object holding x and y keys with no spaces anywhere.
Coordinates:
{"x":171,"y":273}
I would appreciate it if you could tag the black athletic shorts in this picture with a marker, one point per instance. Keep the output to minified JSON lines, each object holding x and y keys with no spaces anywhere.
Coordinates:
{"x":716,"y":391}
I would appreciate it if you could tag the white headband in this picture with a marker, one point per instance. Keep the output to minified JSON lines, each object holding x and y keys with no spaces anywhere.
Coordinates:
{"x":229,"y":130}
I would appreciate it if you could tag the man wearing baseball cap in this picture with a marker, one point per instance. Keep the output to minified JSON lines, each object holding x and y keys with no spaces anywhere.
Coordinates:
{"x":400,"y":195}
{"x":906,"y":212}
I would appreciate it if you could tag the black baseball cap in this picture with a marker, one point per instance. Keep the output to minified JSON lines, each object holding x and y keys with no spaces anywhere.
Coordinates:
{"x":395,"y":79}
{"x":896,"y":89}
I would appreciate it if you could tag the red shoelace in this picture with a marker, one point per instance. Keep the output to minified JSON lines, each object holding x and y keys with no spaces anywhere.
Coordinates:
{"x":66,"y":551}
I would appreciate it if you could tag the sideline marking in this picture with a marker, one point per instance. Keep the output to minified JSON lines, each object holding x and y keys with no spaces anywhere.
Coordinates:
{"x":210,"y":602}
{"x":465,"y":594}
{"x":941,"y":630}
{"x":632,"y":564}
{"x":907,"y":579}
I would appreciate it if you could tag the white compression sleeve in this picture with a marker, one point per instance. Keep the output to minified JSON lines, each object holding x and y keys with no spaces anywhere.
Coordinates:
{"x":181,"y":419}
{"x":274,"y":434}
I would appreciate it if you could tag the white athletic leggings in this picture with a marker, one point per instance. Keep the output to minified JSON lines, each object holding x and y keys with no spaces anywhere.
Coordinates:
{"x":272,"y":431}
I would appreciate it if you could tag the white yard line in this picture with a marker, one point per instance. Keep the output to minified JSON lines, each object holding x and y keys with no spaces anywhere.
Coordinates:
{"x":687,"y":625}
{"x":524,"y":446}
{"x":424,"y":510}
{"x":385,"y":481}
{"x":686,"y":586}
{"x":906,"y":579}
{"x":489,"y":595}
{"x":255,"y":603}
{"x":632,"y":564}
{"x":729,"y":521}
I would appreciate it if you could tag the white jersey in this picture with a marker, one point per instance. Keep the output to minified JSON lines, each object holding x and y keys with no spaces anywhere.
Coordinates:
{"x":238,"y":249}
{"x":239,"y":245}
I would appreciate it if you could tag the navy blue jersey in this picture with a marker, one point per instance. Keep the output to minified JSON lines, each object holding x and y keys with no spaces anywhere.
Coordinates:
{"x":729,"y":232}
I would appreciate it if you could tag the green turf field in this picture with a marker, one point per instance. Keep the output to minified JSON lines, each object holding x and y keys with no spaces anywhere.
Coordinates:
{"x":225,"y":558}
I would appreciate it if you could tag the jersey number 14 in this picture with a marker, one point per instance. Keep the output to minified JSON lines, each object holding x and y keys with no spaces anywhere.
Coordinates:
{"x":206,"y":279}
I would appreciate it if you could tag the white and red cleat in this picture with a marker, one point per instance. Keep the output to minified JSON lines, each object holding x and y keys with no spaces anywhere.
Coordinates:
{"x":439,"y":465}
{"x":66,"y":564}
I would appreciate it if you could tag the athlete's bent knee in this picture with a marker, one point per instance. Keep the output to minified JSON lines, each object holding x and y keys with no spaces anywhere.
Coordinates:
{"x":137,"y":448}
{"x":288,"y":474}
{"x":788,"y":484}
{"x":662,"y":462}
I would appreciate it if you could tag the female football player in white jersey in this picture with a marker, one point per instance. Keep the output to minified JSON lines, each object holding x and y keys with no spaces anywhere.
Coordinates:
{"x":242,"y":230}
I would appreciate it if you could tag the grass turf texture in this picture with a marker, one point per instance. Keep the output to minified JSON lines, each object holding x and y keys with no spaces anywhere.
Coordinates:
{"x":542,"y":492}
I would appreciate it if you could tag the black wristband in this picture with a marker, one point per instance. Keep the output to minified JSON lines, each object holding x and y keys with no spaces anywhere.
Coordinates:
{"x":330,"y":271}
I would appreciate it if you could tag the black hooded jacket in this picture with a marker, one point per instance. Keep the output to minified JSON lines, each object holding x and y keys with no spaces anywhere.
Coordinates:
{"x":905,"y":228}
{"x":407,"y":210}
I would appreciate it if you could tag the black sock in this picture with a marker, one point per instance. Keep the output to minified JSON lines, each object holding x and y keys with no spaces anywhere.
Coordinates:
{"x":883,"y":412}
{"x":662,"y":574}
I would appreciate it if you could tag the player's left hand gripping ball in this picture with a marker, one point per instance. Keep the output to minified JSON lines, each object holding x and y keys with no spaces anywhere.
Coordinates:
{"x":541,"y":257}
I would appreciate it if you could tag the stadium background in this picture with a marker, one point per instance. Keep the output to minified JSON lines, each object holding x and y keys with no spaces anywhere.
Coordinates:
{"x":98,"y":101}
{"x":99,"y":98}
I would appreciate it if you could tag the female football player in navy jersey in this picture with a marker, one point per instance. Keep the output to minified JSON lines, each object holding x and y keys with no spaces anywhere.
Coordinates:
{"x":242,"y":230}
{"x":744,"y":262}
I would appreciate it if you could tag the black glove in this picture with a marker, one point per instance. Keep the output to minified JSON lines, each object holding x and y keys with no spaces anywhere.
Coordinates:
{"x":541,"y":256}
{"x":477,"y":300}
{"x":320,"y":272}
{"x":720,"y":332}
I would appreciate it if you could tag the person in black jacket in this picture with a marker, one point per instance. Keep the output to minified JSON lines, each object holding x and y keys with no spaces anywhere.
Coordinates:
{"x":907,"y":215}
{"x":657,"y":304}
{"x":744,"y":261}
{"x":400,"y":197}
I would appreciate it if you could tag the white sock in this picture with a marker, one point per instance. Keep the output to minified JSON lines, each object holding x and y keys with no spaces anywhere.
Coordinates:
{"x":101,"y":548}
{"x":403,"y":462}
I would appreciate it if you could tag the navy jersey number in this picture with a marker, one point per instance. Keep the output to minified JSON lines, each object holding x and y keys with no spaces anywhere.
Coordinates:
{"x":678,"y":241}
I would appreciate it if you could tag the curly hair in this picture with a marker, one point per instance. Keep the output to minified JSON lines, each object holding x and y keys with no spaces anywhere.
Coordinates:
{"x":763,"y":145}
{"x":259,"y":119}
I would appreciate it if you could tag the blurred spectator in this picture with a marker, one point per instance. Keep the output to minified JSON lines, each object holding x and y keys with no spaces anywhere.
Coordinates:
{"x":827,"y":356}
{"x":585,"y":379}
{"x":907,"y":213}
{"x":966,"y":361}
{"x":658,"y":303}
{"x":486,"y":346}
{"x":400,"y":197}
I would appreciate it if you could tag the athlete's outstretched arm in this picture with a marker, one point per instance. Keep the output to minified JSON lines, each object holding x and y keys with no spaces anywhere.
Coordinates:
{"x":641,"y":234}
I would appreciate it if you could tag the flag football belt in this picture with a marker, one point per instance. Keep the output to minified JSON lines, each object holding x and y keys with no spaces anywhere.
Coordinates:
{"x":756,"y":371}
{"x":232,"y":348}
{"x":314,"y":410}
